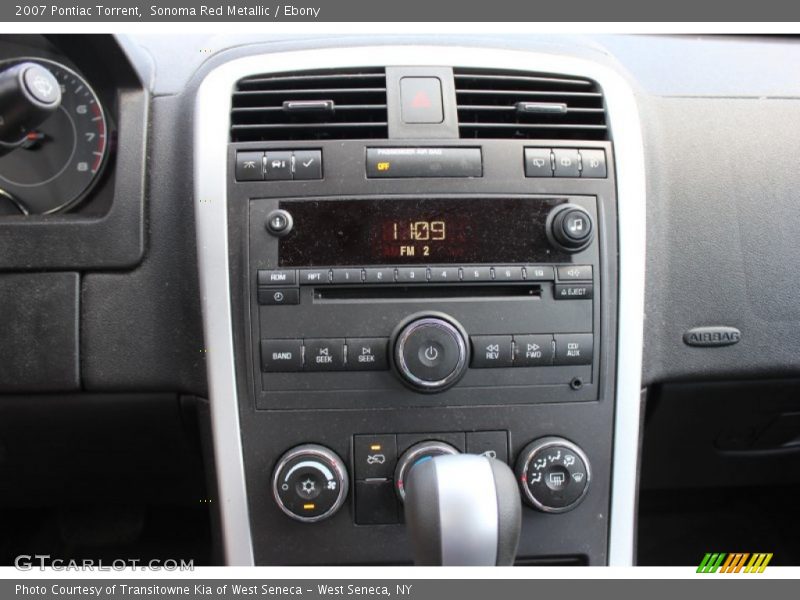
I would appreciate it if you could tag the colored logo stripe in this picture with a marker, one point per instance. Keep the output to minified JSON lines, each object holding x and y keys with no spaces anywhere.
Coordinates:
{"x":758,"y":563}
{"x":734,"y":562}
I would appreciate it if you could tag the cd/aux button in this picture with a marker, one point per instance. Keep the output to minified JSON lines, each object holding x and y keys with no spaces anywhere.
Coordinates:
{"x":574,"y":348}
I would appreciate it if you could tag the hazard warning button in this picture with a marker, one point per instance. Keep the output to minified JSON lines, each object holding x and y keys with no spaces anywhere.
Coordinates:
{"x":421,"y":100}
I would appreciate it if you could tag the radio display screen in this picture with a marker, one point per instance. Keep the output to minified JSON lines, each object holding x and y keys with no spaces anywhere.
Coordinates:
{"x":397,"y":231}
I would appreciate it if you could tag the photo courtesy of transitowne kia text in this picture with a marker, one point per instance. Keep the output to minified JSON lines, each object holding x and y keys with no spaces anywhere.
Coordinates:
{"x":154,"y":10}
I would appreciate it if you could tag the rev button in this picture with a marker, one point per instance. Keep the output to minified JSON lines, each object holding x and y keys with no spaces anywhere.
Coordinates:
{"x":491,"y":351}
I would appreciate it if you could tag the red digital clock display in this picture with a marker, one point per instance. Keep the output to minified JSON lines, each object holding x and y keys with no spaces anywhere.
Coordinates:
{"x":431,"y":239}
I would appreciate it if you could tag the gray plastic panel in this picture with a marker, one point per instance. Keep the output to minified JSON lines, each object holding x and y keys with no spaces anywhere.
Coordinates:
{"x":722,"y":236}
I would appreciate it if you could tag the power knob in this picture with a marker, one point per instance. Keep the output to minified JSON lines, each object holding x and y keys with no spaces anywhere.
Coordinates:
{"x":553,"y":474}
{"x":310,"y":483}
{"x":430,"y":352}
{"x":571,"y":227}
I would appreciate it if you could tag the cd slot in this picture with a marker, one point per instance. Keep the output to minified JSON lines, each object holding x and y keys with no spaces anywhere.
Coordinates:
{"x":416,"y":292}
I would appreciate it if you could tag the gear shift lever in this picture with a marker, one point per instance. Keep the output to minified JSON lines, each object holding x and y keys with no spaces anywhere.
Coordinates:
{"x":462,"y":510}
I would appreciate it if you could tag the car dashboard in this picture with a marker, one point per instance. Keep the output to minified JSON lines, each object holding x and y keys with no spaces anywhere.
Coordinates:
{"x":249,"y":284}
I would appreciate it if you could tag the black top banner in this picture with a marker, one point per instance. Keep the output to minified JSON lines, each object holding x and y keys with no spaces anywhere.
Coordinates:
{"x":152,"y":11}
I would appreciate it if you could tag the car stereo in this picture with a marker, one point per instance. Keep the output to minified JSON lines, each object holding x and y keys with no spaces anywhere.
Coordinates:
{"x":425,"y":293}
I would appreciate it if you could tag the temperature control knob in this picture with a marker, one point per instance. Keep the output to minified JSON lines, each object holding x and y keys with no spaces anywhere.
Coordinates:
{"x":553,"y":474}
{"x":310,"y":483}
{"x":418,"y":453}
{"x":431,"y":353}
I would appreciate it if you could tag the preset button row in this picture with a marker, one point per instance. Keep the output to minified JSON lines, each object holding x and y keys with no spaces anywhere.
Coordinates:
{"x":410,"y":275}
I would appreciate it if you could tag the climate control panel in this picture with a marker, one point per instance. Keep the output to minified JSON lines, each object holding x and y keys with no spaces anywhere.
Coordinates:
{"x":310,"y":482}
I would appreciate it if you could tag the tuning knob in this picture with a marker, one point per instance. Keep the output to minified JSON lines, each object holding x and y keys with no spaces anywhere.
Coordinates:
{"x":310,"y":483}
{"x":430,"y":353}
{"x":571,"y":227}
{"x":554,"y":474}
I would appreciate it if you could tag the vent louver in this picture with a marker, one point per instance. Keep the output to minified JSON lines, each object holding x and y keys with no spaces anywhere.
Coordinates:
{"x":516,"y":104}
{"x":310,"y":105}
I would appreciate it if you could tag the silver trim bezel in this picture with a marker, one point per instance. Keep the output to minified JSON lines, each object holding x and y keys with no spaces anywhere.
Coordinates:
{"x":406,"y":372}
{"x":537,"y":446}
{"x":211,"y":122}
{"x":324,"y":455}
{"x":409,"y":458}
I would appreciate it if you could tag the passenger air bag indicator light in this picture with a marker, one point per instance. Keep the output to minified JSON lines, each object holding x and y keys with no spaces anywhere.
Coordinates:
{"x":383,"y":166}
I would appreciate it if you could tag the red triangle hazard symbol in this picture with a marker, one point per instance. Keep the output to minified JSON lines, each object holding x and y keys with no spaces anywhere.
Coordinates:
{"x":421,"y":100}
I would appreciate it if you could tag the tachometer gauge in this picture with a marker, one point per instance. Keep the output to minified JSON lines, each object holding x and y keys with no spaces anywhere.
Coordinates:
{"x":56,"y":164}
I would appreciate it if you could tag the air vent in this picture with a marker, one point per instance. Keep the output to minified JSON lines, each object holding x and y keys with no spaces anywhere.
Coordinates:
{"x":516,"y":104}
{"x":310,"y":105}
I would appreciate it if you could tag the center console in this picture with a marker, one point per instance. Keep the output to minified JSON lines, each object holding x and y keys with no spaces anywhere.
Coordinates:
{"x":398,"y":262}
